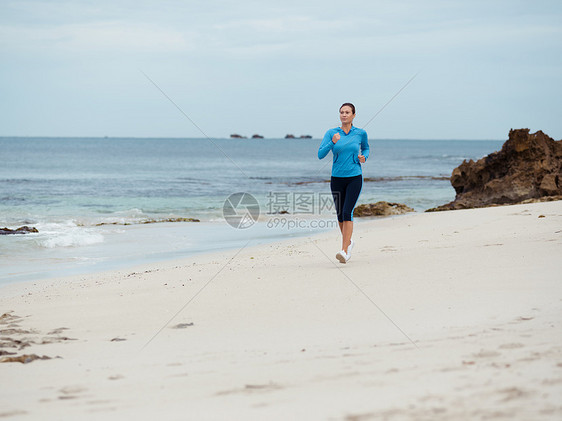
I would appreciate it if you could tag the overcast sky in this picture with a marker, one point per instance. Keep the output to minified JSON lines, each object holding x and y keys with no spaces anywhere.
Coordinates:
{"x":75,"y":68}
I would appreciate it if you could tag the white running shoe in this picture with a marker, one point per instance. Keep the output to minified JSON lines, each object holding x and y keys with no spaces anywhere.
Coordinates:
{"x":349,"y":248}
{"x":342,"y":256}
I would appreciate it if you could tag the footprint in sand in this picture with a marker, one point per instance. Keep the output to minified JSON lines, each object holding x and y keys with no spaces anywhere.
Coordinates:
{"x":388,"y":248}
{"x":252,"y":388}
{"x":182,"y":325}
{"x":57,"y":331}
{"x":513,"y":345}
{"x":486,"y":354}
{"x":513,"y":393}
{"x":71,"y":392}
{"x":11,"y":413}
{"x":523,"y":319}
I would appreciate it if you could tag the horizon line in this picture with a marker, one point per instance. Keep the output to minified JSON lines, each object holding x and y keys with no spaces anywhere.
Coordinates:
{"x":230,"y":138}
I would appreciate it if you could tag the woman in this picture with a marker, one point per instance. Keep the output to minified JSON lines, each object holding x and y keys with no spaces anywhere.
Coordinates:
{"x":350,"y":149}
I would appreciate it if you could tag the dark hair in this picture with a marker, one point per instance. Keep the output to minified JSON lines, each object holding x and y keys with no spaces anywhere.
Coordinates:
{"x":349,"y":104}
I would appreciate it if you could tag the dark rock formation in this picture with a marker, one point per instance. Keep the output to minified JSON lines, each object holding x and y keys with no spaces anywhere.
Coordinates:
{"x":290,"y":136}
{"x":150,"y":221}
{"x":305,"y":136}
{"x":529,"y":166}
{"x":257,"y":136}
{"x":237,"y":136}
{"x":154,"y":221}
{"x":21,"y":230}
{"x":381,"y":209}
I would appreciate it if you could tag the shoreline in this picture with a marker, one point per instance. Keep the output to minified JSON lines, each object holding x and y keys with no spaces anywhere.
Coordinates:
{"x":131,"y":245}
{"x":467,"y":300}
{"x":287,"y":238}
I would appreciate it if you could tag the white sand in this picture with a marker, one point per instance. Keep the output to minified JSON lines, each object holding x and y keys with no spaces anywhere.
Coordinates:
{"x":284,"y":332}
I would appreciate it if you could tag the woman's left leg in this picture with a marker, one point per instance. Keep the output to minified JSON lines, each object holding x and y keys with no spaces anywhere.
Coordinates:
{"x":352,"y":193}
{"x":346,"y":233}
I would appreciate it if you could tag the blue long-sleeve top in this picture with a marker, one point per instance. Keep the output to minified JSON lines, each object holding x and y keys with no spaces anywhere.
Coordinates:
{"x":345,"y":161}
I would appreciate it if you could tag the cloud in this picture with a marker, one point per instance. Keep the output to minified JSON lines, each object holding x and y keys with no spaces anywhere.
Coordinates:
{"x":289,"y":30}
{"x":113,"y":36}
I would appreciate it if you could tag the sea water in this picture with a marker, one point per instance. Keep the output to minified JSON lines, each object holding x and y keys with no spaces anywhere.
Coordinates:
{"x":96,"y":201}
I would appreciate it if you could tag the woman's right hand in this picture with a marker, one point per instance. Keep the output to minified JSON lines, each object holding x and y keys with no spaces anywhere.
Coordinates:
{"x":336,"y":137}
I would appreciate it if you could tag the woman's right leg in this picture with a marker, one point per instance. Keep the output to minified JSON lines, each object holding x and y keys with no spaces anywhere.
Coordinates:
{"x":343,"y":201}
{"x":338,"y":187}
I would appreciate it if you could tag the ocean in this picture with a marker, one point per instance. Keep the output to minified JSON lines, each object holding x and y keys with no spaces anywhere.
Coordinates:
{"x":105,"y":203}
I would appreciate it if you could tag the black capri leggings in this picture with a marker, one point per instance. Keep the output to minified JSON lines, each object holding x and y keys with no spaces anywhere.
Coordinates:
{"x":346,"y":191}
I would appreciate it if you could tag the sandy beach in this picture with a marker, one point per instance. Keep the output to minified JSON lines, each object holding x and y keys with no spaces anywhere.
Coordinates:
{"x":438,"y":316}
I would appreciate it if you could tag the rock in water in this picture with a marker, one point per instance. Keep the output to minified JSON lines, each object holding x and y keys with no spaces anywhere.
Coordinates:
{"x":529,"y":166}
{"x":20,"y":230}
{"x":381,"y":209}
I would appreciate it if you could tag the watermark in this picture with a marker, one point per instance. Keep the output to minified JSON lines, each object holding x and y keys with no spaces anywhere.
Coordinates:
{"x":281,"y":222}
{"x":308,"y":203}
{"x":241,"y":210}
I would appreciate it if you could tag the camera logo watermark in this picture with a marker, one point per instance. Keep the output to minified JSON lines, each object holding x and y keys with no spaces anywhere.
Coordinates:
{"x":286,"y":210}
{"x":241,"y":210}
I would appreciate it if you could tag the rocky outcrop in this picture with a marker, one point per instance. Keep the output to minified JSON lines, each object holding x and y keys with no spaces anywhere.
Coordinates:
{"x":381,"y":209}
{"x":150,"y":221}
{"x":529,"y":166}
{"x":21,"y":230}
{"x":302,"y":136}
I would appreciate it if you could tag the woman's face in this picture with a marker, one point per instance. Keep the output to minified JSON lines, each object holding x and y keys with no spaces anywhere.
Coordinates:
{"x":346,"y":114}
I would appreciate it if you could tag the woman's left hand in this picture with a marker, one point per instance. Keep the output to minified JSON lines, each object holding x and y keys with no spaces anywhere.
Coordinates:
{"x":361,"y":158}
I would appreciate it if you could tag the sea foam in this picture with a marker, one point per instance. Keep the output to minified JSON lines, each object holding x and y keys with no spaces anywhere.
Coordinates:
{"x":66,"y":234}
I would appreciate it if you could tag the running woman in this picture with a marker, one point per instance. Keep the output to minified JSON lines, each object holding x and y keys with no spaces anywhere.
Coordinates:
{"x":350,"y":149}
